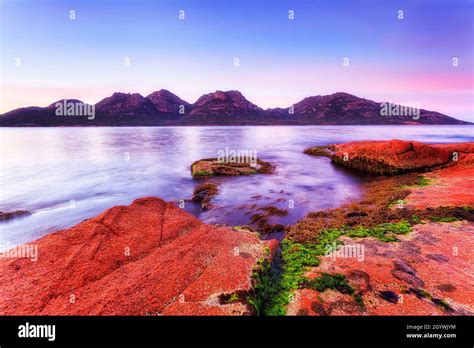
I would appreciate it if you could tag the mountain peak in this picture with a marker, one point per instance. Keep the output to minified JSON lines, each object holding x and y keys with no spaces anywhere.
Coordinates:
{"x":231,"y":93}
{"x":224,"y":104}
{"x":122,"y":97}
{"x":342,"y":94}
{"x":122,"y":104}
{"x":162,"y":93}
{"x":61,"y":101}
{"x":165,"y":101}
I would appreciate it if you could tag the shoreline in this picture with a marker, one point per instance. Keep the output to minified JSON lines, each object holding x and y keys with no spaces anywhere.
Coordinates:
{"x":254,"y":125}
{"x":382,"y":220}
{"x":370,"y":222}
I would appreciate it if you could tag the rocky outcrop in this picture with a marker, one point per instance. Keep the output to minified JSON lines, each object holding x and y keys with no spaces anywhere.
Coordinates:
{"x":428,"y":272}
{"x":383,"y":259}
{"x":149,"y":258}
{"x":394,"y":156}
{"x":209,"y":167}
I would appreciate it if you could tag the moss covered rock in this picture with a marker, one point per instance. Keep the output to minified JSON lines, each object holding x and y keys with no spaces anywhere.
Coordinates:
{"x":212,"y":166}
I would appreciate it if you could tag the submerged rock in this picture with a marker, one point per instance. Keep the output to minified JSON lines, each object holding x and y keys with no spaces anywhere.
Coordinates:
{"x":148,"y":258}
{"x":261,"y":220}
{"x":7,"y":215}
{"x":204,"y":193}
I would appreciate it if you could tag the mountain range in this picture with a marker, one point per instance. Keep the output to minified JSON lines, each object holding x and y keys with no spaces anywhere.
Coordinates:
{"x":163,"y":108}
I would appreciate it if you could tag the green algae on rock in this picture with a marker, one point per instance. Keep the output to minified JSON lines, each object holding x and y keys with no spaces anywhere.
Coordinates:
{"x":205,"y":168}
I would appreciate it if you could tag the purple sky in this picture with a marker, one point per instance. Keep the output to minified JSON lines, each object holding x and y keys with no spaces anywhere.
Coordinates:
{"x":281,"y":60}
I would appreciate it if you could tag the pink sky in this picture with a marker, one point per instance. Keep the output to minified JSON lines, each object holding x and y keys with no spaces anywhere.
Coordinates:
{"x":449,"y":92}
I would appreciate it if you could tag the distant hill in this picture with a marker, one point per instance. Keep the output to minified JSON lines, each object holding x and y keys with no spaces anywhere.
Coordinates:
{"x":163,"y":108}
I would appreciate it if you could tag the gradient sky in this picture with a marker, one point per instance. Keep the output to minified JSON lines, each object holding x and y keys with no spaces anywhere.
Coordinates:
{"x":281,"y":60}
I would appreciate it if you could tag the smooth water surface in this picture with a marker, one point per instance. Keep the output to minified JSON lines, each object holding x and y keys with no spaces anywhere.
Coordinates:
{"x":66,"y":175}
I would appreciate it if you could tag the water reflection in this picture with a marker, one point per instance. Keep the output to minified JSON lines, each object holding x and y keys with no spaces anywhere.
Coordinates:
{"x":43,"y":169}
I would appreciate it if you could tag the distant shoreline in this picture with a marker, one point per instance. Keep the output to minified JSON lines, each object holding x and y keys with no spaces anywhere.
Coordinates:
{"x":249,"y":125}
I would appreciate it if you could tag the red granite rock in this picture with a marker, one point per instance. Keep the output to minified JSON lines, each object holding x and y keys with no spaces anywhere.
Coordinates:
{"x":453,"y":186}
{"x":429,"y":272}
{"x":148,"y":258}
{"x":431,"y":264}
{"x":394,"y":156}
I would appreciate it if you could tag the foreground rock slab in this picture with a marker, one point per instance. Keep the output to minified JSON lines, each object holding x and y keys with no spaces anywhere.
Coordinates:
{"x":149,"y":258}
{"x":453,"y":186}
{"x":428,"y":272}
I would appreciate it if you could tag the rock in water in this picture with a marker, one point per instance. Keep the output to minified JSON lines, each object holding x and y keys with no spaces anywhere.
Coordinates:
{"x":206,"y":168}
{"x":7,"y":215}
{"x":393,"y":156}
{"x":204,"y":194}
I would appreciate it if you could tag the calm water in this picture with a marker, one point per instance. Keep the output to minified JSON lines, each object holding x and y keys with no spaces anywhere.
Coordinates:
{"x":66,"y":175}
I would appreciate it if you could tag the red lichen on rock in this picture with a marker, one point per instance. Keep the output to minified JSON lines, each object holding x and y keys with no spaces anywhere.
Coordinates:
{"x":429,"y":265}
{"x":453,"y":186}
{"x":429,"y":272}
{"x":147,"y":258}
{"x":396,"y":156}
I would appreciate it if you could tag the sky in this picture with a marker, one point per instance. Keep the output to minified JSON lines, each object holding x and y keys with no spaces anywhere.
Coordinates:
{"x":423,"y":55}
